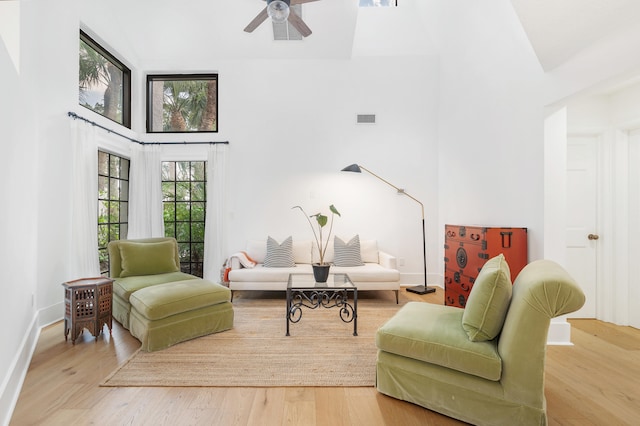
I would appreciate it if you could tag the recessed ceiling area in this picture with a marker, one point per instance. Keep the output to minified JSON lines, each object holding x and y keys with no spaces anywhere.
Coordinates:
{"x":560,"y":29}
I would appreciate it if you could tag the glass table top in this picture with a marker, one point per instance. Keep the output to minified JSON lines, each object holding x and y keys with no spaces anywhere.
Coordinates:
{"x":307,"y":281}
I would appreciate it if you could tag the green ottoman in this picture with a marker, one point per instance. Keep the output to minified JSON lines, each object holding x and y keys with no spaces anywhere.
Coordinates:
{"x":166,"y":314}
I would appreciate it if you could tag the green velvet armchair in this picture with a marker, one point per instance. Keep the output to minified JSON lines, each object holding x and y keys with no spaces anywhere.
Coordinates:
{"x":140,"y":263}
{"x":483,"y":364}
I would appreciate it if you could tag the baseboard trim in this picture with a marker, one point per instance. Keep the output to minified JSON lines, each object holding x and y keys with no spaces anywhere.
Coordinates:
{"x":559,"y":333}
{"x":10,"y":390}
{"x":18,"y":371}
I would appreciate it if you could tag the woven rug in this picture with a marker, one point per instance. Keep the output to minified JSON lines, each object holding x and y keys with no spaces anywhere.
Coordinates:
{"x":321,"y":350}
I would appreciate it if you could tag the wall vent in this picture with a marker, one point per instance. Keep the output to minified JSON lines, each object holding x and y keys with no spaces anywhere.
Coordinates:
{"x":366,"y":119}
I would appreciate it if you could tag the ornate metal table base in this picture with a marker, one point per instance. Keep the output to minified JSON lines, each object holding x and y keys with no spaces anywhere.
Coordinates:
{"x":325,"y":298}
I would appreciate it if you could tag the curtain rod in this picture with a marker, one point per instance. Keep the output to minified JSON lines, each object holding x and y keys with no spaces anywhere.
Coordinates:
{"x":93,"y":123}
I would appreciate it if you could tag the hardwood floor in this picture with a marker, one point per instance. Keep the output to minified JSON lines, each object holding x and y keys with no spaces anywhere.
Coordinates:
{"x":594,"y":382}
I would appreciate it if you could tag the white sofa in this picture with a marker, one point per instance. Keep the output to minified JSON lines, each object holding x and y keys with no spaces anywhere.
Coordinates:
{"x":379,"y":271}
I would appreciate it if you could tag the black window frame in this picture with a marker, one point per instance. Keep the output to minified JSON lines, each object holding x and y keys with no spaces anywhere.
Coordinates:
{"x":126,"y":80}
{"x":151,"y":78}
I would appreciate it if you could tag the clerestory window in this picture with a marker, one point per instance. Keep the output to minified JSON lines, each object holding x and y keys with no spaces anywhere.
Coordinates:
{"x":104,"y":82}
{"x":179,"y":103}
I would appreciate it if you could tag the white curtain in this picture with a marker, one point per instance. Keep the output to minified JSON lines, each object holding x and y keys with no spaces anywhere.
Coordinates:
{"x":215,"y":241}
{"x":83,"y":258}
{"x":145,"y":193}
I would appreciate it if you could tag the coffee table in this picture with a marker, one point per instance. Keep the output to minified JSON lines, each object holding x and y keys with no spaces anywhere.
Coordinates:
{"x":304,"y":291}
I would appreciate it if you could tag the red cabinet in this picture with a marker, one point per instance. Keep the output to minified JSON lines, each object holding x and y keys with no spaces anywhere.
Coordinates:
{"x":467,"y":248}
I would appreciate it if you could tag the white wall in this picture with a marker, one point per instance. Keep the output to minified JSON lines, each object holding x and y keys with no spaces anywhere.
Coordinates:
{"x":491,"y":121}
{"x":287,"y":148}
{"x":18,"y":192}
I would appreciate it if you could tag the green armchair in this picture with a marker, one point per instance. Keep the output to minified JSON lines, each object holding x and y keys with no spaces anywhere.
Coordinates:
{"x":140,"y":263}
{"x":483,"y":364}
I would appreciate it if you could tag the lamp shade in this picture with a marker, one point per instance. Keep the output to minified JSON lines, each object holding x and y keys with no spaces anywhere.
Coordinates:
{"x":352,"y":168}
{"x":278,"y":10}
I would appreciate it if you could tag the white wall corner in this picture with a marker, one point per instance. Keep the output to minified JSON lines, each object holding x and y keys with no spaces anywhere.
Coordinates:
{"x":559,"y":333}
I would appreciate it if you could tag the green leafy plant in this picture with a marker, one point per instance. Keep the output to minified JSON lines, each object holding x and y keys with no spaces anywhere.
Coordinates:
{"x":321,"y":222}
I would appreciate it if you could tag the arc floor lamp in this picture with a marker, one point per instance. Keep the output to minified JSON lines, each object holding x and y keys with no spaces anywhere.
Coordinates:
{"x":420,"y":289}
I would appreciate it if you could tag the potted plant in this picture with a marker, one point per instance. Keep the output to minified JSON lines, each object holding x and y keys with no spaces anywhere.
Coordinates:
{"x":320,"y":269}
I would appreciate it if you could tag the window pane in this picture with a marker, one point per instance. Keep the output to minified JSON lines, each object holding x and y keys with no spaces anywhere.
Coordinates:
{"x":182,"y":103}
{"x":182,"y":211}
{"x":168,"y":191}
{"x":103,"y":256}
{"x":197,"y":231}
{"x":183,"y":191}
{"x":184,"y":249}
{"x":114,"y":232}
{"x":197,"y":211}
{"x":124,"y":190}
{"x":103,"y":187}
{"x":103,"y":163}
{"x":124,"y":212}
{"x":114,"y":189}
{"x":170,"y":229}
{"x":198,"y":191}
{"x":183,"y":169}
{"x":168,"y":171}
{"x":114,"y":166}
{"x":103,"y":212}
{"x":103,"y":235}
{"x":197,"y":252}
{"x":124,"y":168}
{"x":197,"y":171}
{"x":169,"y":213}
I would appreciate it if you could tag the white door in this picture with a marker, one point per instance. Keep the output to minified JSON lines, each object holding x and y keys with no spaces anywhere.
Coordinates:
{"x":582,"y":235}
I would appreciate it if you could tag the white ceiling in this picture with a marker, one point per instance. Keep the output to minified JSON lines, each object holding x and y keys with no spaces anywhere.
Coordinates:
{"x":161,"y":33}
{"x":158,"y":34}
{"x":560,"y":29}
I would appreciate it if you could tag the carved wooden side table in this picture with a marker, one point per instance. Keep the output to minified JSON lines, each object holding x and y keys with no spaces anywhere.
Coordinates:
{"x":88,"y":303}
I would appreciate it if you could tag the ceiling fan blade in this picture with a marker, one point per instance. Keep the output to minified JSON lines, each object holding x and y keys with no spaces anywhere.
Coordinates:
{"x":259,"y":19}
{"x":301,"y":1}
{"x":299,"y":24}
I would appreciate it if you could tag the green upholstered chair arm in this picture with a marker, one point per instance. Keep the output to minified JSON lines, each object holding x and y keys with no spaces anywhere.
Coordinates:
{"x":543,"y":290}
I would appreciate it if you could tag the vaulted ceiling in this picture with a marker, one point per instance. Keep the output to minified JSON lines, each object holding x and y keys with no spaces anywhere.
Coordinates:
{"x":161,"y":33}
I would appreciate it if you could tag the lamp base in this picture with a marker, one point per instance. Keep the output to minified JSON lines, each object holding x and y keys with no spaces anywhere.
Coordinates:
{"x":420,"y":289}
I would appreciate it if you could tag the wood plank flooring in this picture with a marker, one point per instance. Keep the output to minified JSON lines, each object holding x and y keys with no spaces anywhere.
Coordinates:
{"x":594,"y":382}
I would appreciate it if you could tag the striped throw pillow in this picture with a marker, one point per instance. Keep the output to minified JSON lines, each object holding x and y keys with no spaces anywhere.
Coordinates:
{"x":279,"y":255}
{"x":347,"y":254}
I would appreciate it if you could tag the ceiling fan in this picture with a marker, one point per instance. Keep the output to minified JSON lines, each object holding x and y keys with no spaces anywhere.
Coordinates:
{"x":280,"y":11}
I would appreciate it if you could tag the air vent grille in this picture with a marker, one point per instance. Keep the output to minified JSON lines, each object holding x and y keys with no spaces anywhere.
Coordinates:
{"x":366,"y":119}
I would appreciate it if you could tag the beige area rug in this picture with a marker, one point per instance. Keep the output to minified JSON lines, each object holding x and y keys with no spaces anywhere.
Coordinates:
{"x":321,"y":350}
